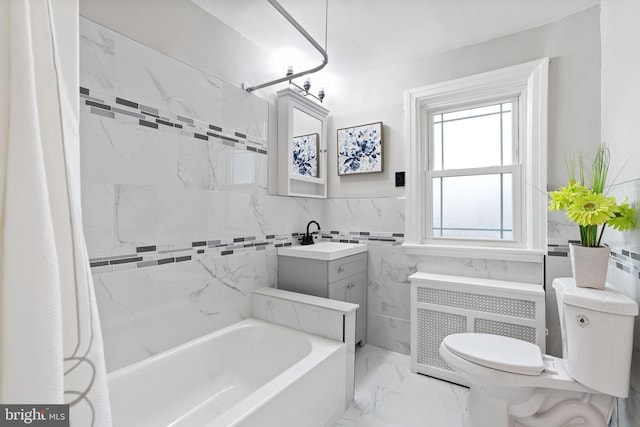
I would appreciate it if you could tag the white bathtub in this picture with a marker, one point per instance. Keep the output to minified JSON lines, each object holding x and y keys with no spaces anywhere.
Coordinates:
{"x":252,"y":373}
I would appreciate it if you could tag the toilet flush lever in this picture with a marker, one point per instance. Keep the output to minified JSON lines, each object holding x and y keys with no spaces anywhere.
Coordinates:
{"x":582,"y":320}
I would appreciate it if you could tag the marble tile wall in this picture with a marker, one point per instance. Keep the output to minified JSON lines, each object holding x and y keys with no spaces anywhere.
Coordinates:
{"x":389,"y":267}
{"x":179,"y":226}
{"x":624,"y":274}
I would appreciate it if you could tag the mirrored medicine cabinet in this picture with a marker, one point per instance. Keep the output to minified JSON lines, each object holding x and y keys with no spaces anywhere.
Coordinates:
{"x":302,"y":146}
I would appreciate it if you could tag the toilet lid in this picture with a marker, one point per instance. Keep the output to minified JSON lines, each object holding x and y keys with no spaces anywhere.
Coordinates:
{"x":497,"y":352}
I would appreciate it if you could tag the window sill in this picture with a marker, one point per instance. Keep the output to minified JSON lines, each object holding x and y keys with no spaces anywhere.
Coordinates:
{"x":504,"y":254}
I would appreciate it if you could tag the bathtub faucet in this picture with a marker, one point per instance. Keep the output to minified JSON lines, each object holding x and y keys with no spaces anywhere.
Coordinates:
{"x":307,"y":239}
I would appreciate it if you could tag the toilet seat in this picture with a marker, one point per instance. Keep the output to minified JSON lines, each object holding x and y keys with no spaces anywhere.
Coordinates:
{"x":497,"y":352}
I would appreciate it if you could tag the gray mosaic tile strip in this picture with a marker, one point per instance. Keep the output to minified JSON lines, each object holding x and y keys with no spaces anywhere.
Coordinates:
{"x":560,"y":254}
{"x":558,"y":250}
{"x":154,"y":255}
{"x":97,"y":105}
{"x":114,"y":107}
{"x":126,"y":102}
{"x":149,"y":110}
{"x":184,"y":119}
{"x":102,"y":112}
{"x":368,"y":237}
{"x":626,"y":260}
{"x":147,"y":263}
{"x":91,"y":98}
{"x":128,"y":113}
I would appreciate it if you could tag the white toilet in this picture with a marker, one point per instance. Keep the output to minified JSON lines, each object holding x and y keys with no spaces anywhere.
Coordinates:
{"x":514,"y":384}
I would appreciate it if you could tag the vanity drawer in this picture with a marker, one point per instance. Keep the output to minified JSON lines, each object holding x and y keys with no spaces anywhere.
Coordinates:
{"x":345,"y":267}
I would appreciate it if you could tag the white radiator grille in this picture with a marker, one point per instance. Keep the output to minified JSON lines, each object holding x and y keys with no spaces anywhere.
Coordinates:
{"x":524,"y":333}
{"x":472,"y":301}
{"x":433,"y":327}
{"x":445,"y":305}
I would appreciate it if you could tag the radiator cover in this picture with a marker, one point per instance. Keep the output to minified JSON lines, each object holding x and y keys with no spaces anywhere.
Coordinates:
{"x":442,"y":305}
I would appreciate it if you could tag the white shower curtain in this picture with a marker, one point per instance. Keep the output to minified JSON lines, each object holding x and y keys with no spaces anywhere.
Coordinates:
{"x":50,"y":342}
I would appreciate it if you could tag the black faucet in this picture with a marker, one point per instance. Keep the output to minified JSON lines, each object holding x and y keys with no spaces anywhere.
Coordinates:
{"x":307,"y":239}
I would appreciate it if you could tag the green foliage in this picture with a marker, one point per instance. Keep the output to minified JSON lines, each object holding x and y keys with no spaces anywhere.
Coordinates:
{"x":587,"y":206}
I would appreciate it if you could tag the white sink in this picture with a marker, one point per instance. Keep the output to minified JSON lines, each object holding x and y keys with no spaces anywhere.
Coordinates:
{"x":325,"y":251}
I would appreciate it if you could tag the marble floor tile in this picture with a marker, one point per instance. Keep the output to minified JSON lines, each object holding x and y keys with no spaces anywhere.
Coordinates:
{"x":389,"y":394}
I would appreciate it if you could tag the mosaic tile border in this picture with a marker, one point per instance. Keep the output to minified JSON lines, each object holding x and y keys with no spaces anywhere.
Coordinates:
{"x":558,"y":250}
{"x":368,"y":237}
{"x":626,"y":260}
{"x":621,"y":258}
{"x":112,"y":107}
{"x":155,"y":255}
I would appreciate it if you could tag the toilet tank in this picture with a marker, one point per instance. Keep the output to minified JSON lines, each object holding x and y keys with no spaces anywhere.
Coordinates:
{"x":597,"y":335}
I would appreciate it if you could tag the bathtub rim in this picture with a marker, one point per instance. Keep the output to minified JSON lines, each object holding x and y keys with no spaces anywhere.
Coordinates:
{"x":250,"y":321}
{"x":321,"y":349}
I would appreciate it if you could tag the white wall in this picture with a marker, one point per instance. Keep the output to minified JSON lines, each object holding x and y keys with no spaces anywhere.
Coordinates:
{"x":573,"y":44}
{"x":621,"y":130}
{"x":621,"y":84}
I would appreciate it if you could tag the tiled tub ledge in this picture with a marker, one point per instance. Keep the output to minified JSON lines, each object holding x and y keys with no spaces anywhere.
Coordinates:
{"x":328,"y":318}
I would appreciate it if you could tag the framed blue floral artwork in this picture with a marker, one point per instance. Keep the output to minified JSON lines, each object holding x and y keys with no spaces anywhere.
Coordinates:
{"x":304,"y":155}
{"x":360,"y":149}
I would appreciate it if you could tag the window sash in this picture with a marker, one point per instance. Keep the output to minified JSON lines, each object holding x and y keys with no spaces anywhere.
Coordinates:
{"x":515,"y":128}
{"x":516,"y":191}
{"x":514,"y":168}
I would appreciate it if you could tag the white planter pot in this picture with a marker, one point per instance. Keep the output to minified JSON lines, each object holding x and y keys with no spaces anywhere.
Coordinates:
{"x":589,"y":265}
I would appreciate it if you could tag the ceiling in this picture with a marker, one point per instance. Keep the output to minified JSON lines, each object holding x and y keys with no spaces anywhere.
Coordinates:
{"x":367,"y":34}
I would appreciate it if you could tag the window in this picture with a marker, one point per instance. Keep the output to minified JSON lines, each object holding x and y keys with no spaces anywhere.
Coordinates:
{"x":477,"y":165}
{"x":471,"y":169}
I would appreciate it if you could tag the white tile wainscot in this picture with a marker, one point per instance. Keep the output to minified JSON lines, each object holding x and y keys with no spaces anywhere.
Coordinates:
{"x":328,"y":318}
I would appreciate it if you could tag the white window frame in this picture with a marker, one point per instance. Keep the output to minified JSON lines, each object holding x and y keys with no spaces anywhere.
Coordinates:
{"x":528,"y":82}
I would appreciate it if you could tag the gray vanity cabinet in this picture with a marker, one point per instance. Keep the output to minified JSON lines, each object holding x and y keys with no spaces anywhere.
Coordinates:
{"x":343,"y":279}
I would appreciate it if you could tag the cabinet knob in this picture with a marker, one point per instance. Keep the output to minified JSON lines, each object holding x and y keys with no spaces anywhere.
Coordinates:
{"x":350,"y":285}
{"x":340,"y":269}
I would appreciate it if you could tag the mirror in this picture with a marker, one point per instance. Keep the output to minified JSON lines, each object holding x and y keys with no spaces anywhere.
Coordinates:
{"x":302,"y":146}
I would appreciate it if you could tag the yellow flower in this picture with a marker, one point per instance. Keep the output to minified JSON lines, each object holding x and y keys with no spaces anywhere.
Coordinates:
{"x":565,"y":196}
{"x":592,"y":209}
{"x":625,"y":219}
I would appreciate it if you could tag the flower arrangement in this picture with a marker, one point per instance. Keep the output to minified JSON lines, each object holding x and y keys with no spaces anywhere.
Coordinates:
{"x":588,"y":206}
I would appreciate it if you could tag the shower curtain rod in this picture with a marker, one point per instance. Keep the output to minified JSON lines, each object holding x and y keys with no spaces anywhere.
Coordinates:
{"x":306,"y":35}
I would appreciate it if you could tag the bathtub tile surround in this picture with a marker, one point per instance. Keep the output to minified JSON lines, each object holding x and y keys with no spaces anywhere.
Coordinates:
{"x":327,"y":318}
{"x":179,"y":226}
{"x":149,"y":310}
